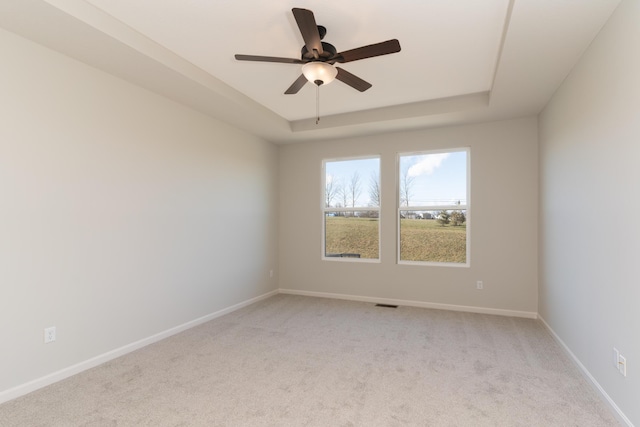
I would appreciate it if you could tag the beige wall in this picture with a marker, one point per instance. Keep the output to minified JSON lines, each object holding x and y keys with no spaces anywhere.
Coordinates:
{"x":590,"y":201}
{"x":503,"y":224}
{"x":122,"y":214}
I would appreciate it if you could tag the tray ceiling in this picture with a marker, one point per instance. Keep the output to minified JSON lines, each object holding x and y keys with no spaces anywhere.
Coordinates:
{"x":460,"y":61}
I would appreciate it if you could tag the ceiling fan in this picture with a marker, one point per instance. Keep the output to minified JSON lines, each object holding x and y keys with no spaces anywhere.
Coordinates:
{"x":318,"y":57}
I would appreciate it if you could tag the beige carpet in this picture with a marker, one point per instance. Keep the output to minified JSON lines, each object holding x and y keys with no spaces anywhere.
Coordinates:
{"x":301,"y":361}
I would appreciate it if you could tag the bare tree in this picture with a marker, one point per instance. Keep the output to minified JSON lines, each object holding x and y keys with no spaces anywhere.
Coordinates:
{"x":374,"y":189}
{"x":330,"y":191}
{"x":457,"y":218}
{"x":343,"y":194}
{"x":355,"y":188}
{"x":406,"y":187}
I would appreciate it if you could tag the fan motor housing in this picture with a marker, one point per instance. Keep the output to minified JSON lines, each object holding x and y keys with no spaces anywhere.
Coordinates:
{"x":329,"y":51}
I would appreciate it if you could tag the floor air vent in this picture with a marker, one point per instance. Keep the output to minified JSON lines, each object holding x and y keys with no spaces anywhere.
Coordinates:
{"x":387,"y":305}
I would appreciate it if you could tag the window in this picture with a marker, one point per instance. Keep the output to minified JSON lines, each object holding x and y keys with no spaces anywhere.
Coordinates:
{"x":433,"y":207}
{"x":351,"y":209}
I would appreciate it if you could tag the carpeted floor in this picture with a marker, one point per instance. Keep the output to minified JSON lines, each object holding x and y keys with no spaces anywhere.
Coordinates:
{"x":302,"y":361}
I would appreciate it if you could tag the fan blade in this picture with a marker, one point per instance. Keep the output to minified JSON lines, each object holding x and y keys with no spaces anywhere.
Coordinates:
{"x":384,"y":48}
{"x":309,"y":30}
{"x":297,"y":85}
{"x":352,"y":80}
{"x":268,"y":59}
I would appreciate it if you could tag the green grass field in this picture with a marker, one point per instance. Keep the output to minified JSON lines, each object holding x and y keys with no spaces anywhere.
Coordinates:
{"x":422,"y":240}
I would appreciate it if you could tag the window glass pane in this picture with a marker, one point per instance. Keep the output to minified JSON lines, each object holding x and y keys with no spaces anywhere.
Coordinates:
{"x":435,"y":186}
{"x":352,"y":234}
{"x":352,"y":183}
{"x":433,"y":236}
{"x":433,"y":179}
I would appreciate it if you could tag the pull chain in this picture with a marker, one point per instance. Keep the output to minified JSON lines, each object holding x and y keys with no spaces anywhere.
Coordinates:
{"x":317,"y":104}
{"x":318,"y":84}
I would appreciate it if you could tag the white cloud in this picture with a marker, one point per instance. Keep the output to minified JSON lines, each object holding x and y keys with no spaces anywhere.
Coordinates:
{"x":427,"y":164}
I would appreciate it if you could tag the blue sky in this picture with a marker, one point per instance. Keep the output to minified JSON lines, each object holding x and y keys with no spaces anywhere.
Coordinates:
{"x":438,"y":178}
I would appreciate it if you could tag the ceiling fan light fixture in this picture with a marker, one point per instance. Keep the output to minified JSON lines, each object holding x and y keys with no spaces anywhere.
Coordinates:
{"x":319,"y":72}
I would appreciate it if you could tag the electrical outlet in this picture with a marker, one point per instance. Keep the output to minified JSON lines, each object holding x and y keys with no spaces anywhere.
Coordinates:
{"x":49,"y":334}
{"x":479,"y":284}
{"x":620,"y":362}
{"x":622,"y":365}
{"x":270,"y":273}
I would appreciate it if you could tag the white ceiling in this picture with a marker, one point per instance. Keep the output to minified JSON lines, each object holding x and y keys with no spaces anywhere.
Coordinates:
{"x":461,"y":61}
{"x":209,"y":33}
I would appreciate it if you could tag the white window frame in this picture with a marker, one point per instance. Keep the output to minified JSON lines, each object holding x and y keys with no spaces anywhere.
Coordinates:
{"x":466,"y":207}
{"x":325,"y":210}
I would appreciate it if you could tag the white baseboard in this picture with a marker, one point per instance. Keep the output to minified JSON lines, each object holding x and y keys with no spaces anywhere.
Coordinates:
{"x":38,"y":383}
{"x":617,"y":411}
{"x":408,"y":303}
